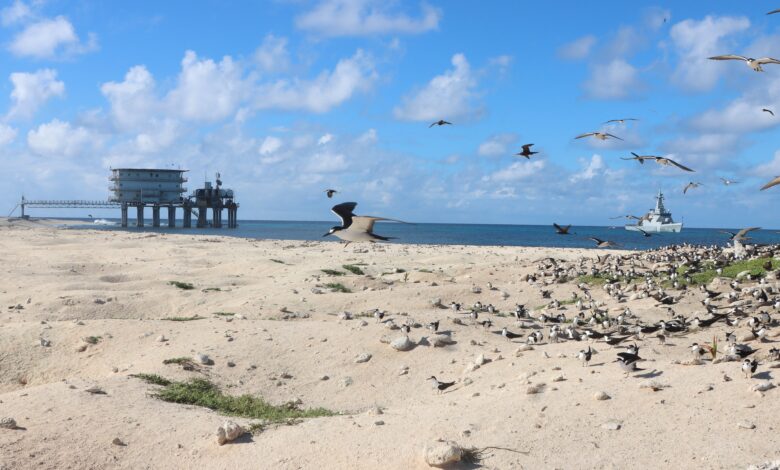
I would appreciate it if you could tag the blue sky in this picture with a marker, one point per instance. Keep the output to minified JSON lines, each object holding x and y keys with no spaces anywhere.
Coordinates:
{"x":288,"y":98}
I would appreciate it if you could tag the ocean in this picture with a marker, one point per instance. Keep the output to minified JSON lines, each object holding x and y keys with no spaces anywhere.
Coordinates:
{"x":458,"y":234}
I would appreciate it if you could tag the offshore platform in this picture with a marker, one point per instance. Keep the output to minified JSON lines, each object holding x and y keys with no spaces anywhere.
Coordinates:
{"x":156,"y":188}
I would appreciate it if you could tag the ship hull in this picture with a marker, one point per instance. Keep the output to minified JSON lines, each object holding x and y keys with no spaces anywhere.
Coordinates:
{"x":661,"y":228}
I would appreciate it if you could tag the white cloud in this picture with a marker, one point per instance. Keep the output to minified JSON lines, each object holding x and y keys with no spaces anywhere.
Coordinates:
{"x":15,"y":13}
{"x":448,"y":96}
{"x":364,"y":17}
{"x":60,"y":139}
{"x":368,"y":138}
{"x":323,"y":93}
{"x":7,"y":134}
{"x":695,"y":41}
{"x":655,"y":17}
{"x":206,"y":90}
{"x":270,"y":145}
{"x":326,"y":162}
{"x":272,"y":55}
{"x":32,"y":90}
{"x":614,"y":80}
{"x":325,"y":139}
{"x":769,"y":169}
{"x":496,"y":145}
{"x":593,"y":168}
{"x":132,"y":101}
{"x":518,"y":171}
{"x":48,"y":37}
{"x":158,"y":137}
{"x":578,"y":49}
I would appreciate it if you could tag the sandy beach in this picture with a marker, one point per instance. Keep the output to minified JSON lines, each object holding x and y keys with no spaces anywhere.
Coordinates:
{"x":84,"y":309}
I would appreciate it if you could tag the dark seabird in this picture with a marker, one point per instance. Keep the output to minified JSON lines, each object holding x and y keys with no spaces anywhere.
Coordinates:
{"x":440,"y":122}
{"x":330,"y":192}
{"x":561,"y":230}
{"x":355,"y":228}
{"x":526,"y":152}
{"x":441,"y":386}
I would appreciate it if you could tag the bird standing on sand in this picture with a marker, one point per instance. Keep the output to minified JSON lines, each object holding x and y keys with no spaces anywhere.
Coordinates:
{"x":584,"y":356}
{"x":627,"y":362}
{"x":774,"y":182}
{"x":508,"y":334}
{"x":330,"y":192}
{"x":598,"y":135}
{"x":441,"y":386}
{"x":749,"y":367}
{"x":754,"y":64}
{"x":561,"y":230}
{"x":526,"y":152}
{"x":355,"y":228}
{"x":440,"y":122}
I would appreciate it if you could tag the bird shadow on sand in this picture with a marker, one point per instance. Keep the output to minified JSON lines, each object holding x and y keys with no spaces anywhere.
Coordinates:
{"x":245,"y":438}
{"x":597,"y":365}
{"x":650,"y":375}
{"x":766,"y":375}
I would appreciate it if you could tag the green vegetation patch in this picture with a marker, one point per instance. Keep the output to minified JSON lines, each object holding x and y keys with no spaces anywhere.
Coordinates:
{"x":354,"y":269}
{"x":192,"y":318}
{"x":201,"y":392}
{"x":333,"y":272}
{"x":338,"y":287}
{"x":224,"y":314}
{"x":182,"y":285}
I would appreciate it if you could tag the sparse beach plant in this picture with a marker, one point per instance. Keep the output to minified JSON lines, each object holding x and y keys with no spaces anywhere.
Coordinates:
{"x":192,"y":318}
{"x":333,"y":272}
{"x":353,"y":269}
{"x":338,"y":287}
{"x":182,"y":285}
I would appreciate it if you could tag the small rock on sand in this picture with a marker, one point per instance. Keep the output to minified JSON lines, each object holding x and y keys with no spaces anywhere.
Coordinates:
{"x":402,"y":343}
{"x":118,"y":442}
{"x":441,"y":454}
{"x":746,"y":425}
{"x":229,"y":431}
{"x":601,"y":396}
{"x":534,"y":389}
{"x":361,"y":358}
{"x":7,"y":423}
{"x":204,"y":359}
{"x":612,"y":425}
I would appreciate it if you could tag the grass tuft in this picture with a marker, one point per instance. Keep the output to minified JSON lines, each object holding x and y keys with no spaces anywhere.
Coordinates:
{"x":224,"y":314}
{"x":212,"y":289}
{"x":201,"y":392}
{"x":92,"y":339}
{"x":353,"y":269}
{"x":338,"y":287}
{"x":153,"y":379}
{"x":192,"y":318}
{"x":332,"y":272}
{"x":278,"y":261}
{"x":177,"y":360}
{"x":182,"y":285}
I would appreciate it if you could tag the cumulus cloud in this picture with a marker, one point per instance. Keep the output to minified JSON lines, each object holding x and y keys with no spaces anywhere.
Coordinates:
{"x":364,"y":18}
{"x":32,"y":90}
{"x":15,"y":13}
{"x":60,"y":139}
{"x":270,"y":145}
{"x":496,"y":145}
{"x":517,"y":171}
{"x":694,"y":41}
{"x":449,"y":95}
{"x":49,"y":37}
{"x":614,"y":80}
{"x":132,"y":100}
{"x":593,"y":168}
{"x":578,"y":49}
{"x":321,"y":94}
{"x":7,"y":134}
{"x":207,"y":90}
{"x":272,"y":55}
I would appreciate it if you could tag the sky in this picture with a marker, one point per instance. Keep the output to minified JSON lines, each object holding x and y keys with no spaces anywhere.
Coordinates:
{"x":287,"y":98}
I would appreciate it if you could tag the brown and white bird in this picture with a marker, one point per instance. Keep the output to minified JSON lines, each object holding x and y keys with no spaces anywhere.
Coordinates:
{"x":665,"y":161}
{"x":621,"y":121}
{"x":598,"y":135}
{"x":754,"y":64}
{"x":561,"y":230}
{"x":602,"y":243}
{"x":526,"y":152}
{"x":774,"y":182}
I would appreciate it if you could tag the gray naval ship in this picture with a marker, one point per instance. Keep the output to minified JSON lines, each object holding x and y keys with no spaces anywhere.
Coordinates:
{"x":657,"y":220}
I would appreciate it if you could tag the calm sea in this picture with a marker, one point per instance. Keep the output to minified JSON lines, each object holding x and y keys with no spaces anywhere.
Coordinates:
{"x":461,"y":234}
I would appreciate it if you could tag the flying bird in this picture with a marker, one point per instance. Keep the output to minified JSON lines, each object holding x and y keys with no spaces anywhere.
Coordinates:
{"x":754,"y":64}
{"x":739,"y":236}
{"x":621,"y":121}
{"x":728,"y":182}
{"x":640,"y":158}
{"x":668,"y":161}
{"x":774,"y":182}
{"x":527,"y":152}
{"x":773,"y":12}
{"x":767,"y":111}
{"x":646,"y":234}
{"x":440,"y":122}
{"x":602,"y":243}
{"x":330,"y":192}
{"x":627,"y":216}
{"x":691,"y":185}
{"x":561,"y":230}
{"x":598,"y":135}
{"x":355,"y":228}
